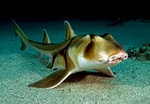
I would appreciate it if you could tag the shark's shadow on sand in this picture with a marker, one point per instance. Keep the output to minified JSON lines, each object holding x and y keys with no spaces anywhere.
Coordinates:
{"x":77,"y":77}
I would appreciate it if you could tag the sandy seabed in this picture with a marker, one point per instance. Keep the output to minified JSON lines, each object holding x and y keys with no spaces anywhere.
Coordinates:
{"x":18,"y":69}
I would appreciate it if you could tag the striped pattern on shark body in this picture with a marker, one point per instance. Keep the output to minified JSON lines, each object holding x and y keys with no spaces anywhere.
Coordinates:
{"x":75,"y":54}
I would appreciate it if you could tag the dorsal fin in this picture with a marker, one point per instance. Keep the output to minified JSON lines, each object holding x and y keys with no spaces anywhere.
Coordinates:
{"x":46,"y":39}
{"x":69,"y":31}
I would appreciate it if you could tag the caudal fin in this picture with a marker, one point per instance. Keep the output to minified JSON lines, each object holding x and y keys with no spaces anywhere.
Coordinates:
{"x":18,"y":32}
{"x":51,"y":81}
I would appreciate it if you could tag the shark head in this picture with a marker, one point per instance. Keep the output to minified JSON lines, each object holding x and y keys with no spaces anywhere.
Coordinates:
{"x":104,"y":50}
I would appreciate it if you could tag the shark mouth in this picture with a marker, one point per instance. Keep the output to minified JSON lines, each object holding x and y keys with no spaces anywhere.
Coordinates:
{"x":115,"y":59}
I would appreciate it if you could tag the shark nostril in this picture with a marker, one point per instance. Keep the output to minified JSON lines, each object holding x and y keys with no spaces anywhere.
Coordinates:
{"x":118,"y":57}
{"x":125,"y":56}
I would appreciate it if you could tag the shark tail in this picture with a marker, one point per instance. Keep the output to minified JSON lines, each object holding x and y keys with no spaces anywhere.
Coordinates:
{"x":51,"y":81}
{"x":18,"y":32}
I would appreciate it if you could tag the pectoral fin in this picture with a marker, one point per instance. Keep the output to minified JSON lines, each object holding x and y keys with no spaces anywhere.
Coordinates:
{"x":106,"y":71}
{"x":53,"y":80}
{"x":59,"y":62}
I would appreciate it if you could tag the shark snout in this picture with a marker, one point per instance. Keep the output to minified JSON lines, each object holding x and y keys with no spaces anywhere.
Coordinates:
{"x":115,"y":59}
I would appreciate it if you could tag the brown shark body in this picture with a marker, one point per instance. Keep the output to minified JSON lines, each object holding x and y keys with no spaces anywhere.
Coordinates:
{"x":75,"y":54}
